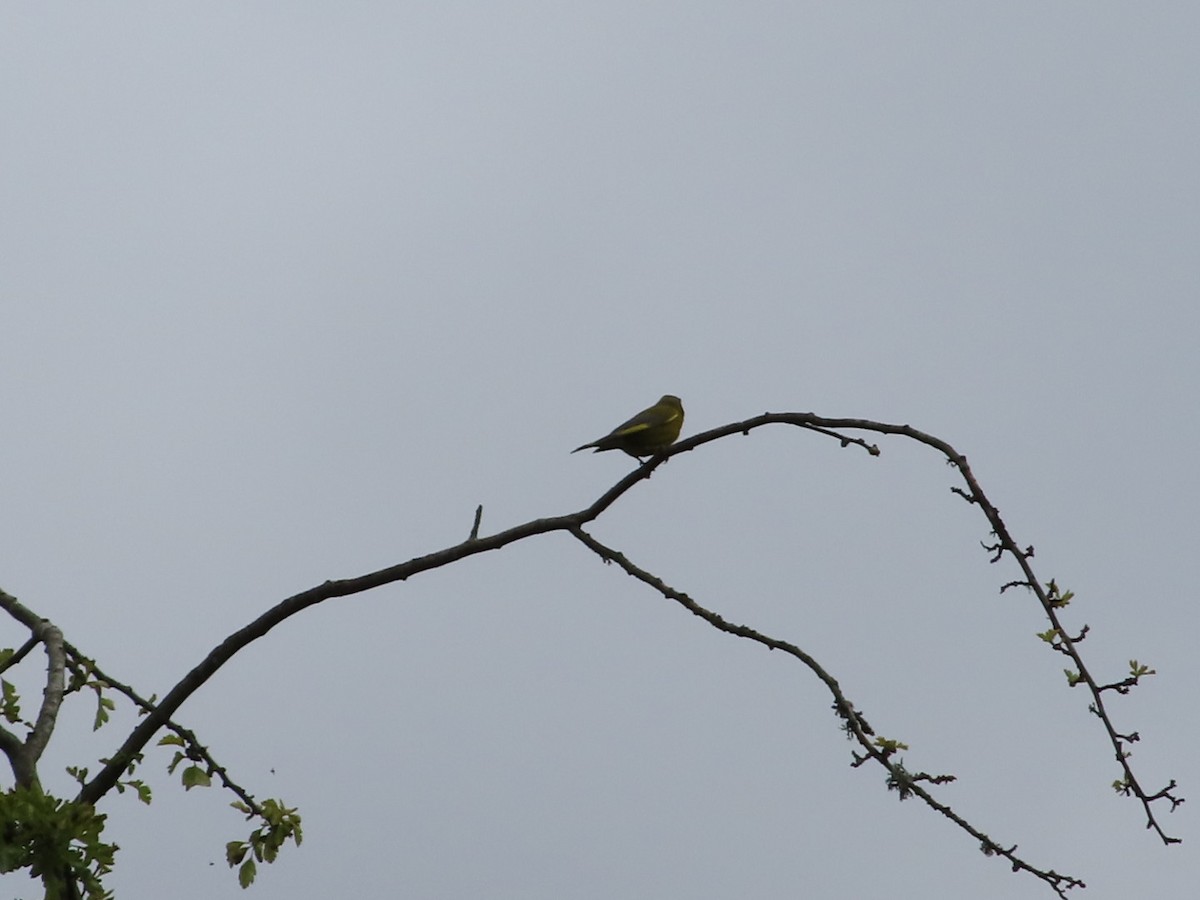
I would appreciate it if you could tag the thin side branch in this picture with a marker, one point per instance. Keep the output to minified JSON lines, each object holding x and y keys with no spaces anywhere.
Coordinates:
{"x":20,"y":653}
{"x":853,"y":721}
{"x":193,"y":749}
{"x":25,"y":758}
{"x":1005,"y":543}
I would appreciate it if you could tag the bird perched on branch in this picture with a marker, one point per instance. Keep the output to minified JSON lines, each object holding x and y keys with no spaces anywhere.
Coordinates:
{"x":650,"y":431}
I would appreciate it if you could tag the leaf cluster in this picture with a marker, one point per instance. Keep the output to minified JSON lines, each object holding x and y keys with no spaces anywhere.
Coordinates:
{"x":57,"y":840}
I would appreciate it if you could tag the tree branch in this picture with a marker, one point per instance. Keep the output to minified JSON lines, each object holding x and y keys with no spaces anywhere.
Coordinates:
{"x":854,"y":724}
{"x":572,"y":523}
{"x":24,"y":760}
{"x":107,"y":777}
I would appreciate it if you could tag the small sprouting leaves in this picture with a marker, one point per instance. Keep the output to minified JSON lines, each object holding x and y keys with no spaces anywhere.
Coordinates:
{"x":1137,"y":670}
{"x":889,"y":746}
{"x":1058,"y":599}
{"x":900,"y":780}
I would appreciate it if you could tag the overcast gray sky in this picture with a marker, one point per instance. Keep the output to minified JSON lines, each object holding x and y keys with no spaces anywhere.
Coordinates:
{"x":287,"y":289}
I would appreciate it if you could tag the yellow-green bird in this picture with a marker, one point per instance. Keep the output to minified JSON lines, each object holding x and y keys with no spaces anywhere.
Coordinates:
{"x":650,"y":431}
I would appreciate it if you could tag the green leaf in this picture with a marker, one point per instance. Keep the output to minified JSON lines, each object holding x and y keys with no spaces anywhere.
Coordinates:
{"x":246,"y":873}
{"x":194,"y":776}
{"x":168,"y":740}
{"x":235,"y":852}
{"x":103,"y":705}
{"x":143,"y":791}
{"x":10,"y":705}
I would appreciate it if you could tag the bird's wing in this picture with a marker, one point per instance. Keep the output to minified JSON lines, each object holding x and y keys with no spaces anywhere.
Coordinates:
{"x":648,"y":418}
{"x":640,"y":422}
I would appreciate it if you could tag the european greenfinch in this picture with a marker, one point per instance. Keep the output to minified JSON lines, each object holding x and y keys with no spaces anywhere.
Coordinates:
{"x":650,"y":431}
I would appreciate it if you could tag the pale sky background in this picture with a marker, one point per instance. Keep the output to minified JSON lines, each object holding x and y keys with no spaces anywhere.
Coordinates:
{"x":287,"y":289}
